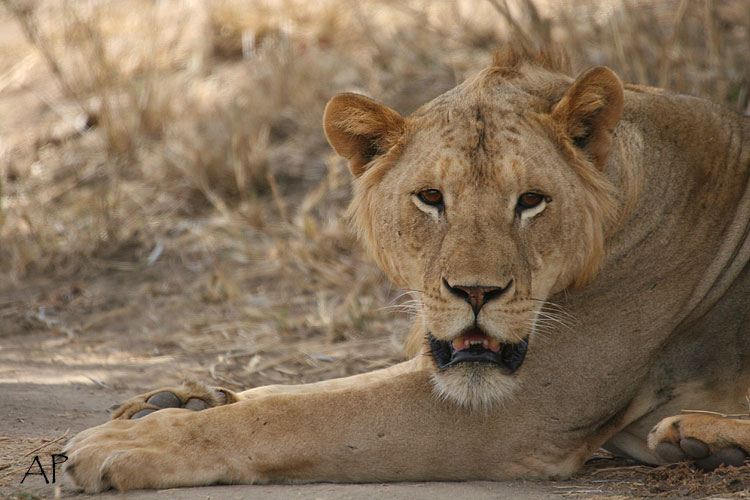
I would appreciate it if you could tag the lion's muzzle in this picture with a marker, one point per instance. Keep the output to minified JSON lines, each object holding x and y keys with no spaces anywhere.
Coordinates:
{"x":478,"y":347}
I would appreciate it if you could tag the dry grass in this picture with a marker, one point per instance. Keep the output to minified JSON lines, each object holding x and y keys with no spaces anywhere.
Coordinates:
{"x":175,"y":110}
{"x":605,"y":476}
{"x":167,"y":188}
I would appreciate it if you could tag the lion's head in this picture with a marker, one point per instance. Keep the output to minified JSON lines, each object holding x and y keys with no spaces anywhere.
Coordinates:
{"x":485,"y":202}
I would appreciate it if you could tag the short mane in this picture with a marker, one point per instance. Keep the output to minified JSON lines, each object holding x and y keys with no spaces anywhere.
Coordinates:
{"x":513,"y":55}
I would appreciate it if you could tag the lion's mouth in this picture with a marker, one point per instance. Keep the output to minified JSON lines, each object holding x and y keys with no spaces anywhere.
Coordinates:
{"x":476,"y":346}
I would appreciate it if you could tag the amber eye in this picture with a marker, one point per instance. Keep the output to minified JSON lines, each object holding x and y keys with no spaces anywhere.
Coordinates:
{"x":431,"y":197}
{"x":529,"y":200}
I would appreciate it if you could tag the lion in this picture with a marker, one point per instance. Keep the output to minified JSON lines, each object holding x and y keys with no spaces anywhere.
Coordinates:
{"x":579,"y":251}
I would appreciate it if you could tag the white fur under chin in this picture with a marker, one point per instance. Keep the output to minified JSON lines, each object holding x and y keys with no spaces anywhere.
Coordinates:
{"x":476,"y":386}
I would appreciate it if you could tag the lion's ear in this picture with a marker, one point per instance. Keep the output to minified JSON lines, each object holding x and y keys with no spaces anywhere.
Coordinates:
{"x":590,"y":110}
{"x":359,"y":129}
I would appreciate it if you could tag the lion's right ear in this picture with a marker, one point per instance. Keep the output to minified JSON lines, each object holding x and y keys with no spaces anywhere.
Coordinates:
{"x":359,"y":129}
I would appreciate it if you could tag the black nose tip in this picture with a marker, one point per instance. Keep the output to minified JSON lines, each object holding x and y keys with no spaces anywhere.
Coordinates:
{"x":476,"y":296}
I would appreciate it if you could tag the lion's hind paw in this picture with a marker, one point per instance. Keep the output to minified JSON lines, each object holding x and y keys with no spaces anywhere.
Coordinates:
{"x":706,"y":440}
{"x":190,"y":396}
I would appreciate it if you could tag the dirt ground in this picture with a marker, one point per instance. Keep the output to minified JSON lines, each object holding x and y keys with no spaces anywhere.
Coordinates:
{"x":170,"y":209}
{"x":49,"y":392}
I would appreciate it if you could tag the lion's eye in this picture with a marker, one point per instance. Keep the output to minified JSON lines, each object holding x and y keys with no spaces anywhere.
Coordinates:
{"x":431,"y":197}
{"x":529,"y":200}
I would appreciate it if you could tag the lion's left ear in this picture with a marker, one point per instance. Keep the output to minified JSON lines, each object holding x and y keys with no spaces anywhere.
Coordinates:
{"x":590,"y":110}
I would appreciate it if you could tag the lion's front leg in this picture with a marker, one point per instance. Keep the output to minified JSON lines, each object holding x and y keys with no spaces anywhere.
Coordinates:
{"x":388,"y":430}
{"x":341,"y":435}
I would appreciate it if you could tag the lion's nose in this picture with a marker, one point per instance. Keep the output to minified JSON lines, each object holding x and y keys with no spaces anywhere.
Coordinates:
{"x":477,"y":296}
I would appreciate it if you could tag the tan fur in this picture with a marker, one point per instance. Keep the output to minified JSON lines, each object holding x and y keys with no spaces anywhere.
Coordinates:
{"x":717,"y":431}
{"x":630,"y":282}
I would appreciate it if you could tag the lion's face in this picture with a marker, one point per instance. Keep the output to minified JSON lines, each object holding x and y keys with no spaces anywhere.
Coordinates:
{"x":484,"y":203}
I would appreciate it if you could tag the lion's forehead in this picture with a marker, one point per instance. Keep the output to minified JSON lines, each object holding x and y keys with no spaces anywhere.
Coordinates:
{"x":480,"y":144}
{"x":469,"y":119}
{"x":477,"y":122}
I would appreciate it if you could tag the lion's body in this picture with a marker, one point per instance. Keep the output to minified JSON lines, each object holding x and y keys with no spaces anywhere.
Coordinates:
{"x":624,"y":275}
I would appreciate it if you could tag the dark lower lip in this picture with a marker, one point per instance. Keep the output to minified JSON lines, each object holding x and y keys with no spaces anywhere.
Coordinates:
{"x":509,"y":356}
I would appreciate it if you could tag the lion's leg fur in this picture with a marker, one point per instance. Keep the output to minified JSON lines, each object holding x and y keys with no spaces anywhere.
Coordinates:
{"x":709,"y":440}
{"x":390,"y":429}
{"x":197,"y":396}
{"x":337,"y":384}
{"x":664,"y":422}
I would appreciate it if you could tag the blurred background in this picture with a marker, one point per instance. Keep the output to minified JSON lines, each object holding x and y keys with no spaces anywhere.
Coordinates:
{"x":168,"y":197}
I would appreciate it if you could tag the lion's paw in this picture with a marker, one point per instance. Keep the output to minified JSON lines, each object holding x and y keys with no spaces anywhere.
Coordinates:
{"x":709,"y":441}
{"x":190,"y":395}
{"x":129,"y":454}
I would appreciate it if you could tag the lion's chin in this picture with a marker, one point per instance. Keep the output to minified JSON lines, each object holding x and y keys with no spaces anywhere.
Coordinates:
{"x":474,"y":385}
{"x":475,"y":370}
